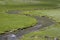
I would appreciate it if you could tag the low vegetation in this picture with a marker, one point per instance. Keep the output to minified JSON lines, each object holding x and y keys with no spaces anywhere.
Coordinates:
{"x":51,"y":31}
{"x":10,"y":22}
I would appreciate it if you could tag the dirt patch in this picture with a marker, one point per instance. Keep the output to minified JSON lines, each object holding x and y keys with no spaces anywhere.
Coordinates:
{"x":13,"y":11}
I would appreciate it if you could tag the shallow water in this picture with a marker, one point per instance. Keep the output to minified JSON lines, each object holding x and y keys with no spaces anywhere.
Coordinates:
{"x":41,"y":22}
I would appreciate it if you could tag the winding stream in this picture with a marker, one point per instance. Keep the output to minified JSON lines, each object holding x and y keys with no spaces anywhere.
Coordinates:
{"x":41,"y":23}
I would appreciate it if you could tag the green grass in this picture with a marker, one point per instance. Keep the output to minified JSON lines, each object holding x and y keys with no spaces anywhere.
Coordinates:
{"x":15,"y":21}
{"x":22,"y":2}
{"x":53,"y":13}
{"x":17,"y":4}
{"x":51,"y":31}
{"x":10,"y":22}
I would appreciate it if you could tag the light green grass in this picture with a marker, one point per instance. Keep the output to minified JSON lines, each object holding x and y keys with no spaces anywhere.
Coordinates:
{"x":10,"y":22}
{"x":54,"y":13}
{"x":51,"y":31}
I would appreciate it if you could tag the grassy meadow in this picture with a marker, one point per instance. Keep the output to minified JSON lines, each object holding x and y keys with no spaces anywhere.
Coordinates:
{"x":10,"y":22}
{"x":50,"y":8}
{"x":51,"y":31}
